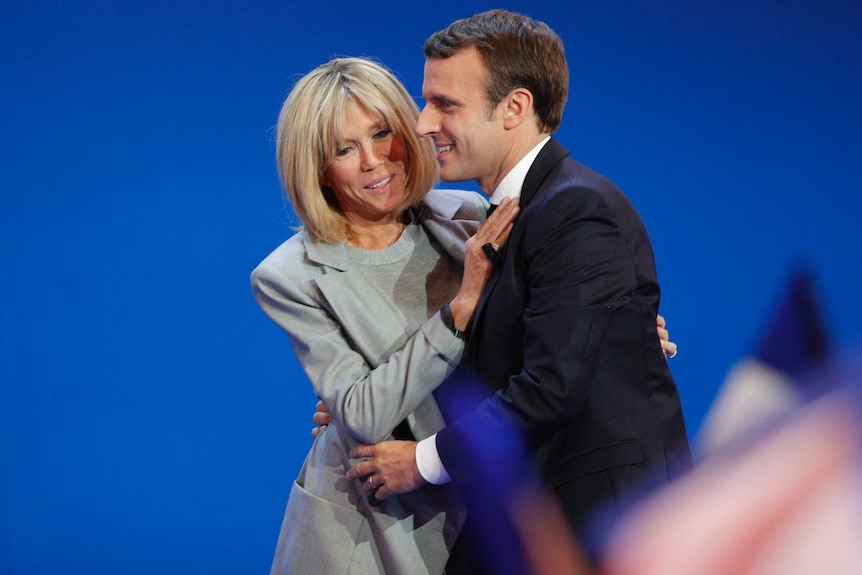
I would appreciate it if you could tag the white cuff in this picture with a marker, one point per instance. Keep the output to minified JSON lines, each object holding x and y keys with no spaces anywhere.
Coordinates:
{"x":428,"y":461}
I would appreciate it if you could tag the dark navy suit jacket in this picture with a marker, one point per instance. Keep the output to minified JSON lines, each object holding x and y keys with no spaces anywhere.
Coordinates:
{"x":564,"y":350}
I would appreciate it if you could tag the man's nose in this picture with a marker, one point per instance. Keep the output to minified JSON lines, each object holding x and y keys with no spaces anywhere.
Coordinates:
{"x":427,"y":123}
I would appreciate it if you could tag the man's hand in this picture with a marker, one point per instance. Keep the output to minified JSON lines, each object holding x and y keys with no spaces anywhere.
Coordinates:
{"x":388,"y":467}
{"x":321,"y":418}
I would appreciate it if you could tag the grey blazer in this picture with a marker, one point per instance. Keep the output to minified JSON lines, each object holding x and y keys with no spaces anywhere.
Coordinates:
{"x":351,"y":342}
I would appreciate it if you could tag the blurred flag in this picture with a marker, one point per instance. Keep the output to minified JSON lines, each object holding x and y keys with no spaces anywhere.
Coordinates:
{"x":783,"y":493}
{"x":788,"y":503}
{"x":767,"y":383}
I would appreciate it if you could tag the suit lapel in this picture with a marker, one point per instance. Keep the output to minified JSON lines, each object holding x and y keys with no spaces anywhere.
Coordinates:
{"x":548,"y":157}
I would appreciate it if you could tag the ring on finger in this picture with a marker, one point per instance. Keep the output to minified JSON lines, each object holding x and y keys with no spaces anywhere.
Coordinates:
{"x":491,"y":251}
{"x":371,"y":482}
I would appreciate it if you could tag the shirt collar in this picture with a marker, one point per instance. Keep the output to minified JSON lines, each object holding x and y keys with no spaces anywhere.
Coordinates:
{"x":510,"y":186}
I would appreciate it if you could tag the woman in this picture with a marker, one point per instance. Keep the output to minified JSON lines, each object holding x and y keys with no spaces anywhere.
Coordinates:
{"x":372,"y":296}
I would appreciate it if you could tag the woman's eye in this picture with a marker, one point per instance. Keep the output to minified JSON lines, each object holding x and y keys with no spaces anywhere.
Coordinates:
{"x":381,"y":134}
{"x":343,"y":151}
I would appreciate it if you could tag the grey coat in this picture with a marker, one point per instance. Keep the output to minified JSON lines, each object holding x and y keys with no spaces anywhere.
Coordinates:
{"x":350,"y":340}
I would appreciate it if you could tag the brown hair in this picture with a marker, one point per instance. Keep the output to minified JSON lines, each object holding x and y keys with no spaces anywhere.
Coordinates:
{"x":519,"y":52}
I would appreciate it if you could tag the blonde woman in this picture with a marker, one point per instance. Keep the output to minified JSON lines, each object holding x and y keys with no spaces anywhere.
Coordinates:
{"x":375,"y":293}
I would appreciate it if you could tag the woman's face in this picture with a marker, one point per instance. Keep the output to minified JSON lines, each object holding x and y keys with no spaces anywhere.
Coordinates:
{"x":368,"y":173}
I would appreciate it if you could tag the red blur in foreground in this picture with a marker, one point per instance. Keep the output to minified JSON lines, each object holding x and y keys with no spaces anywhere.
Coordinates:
{"x":789,"y":504}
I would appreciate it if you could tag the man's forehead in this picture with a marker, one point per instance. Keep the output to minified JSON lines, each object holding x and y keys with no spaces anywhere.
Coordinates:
{"x":445,"y":76}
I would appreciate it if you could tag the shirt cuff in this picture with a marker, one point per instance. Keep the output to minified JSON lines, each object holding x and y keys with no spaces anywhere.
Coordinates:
{"x":428,"y":461}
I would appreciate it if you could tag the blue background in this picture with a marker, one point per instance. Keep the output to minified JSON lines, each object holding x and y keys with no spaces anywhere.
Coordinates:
{"x":152,"y":418}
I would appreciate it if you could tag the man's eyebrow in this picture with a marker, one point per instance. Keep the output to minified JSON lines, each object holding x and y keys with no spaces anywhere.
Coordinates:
{"x":437,"y":98}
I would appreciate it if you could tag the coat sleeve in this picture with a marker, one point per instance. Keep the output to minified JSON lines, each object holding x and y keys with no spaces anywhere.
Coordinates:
{"x":367,"y":392}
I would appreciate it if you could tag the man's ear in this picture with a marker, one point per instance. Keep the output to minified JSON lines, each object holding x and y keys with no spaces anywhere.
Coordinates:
{"x":517,"y":107}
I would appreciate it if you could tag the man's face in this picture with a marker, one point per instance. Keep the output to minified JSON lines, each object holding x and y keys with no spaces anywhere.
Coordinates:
{"x":470,"y":141}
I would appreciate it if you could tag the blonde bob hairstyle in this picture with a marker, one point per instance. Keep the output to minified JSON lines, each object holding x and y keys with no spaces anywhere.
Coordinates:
{"x":308,"y":136}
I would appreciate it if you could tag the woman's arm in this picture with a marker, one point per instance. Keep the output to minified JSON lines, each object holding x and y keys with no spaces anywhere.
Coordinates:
{"x":369,"y":397}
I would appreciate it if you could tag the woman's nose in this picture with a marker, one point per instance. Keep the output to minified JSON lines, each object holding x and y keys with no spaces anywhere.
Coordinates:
{"x":372,"y":157}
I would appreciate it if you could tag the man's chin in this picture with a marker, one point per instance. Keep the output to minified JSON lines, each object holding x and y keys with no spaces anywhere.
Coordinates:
{"x":451,"y":176}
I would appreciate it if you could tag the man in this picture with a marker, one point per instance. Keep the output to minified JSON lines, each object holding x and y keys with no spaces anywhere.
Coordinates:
{"x":563,"y":347}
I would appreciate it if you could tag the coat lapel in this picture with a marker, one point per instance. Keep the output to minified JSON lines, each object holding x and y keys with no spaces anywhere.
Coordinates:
{"x":372,"y":321}
{"x":374,"y":325}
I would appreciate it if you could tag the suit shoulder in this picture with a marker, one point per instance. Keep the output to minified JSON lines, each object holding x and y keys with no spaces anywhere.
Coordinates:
{"x":580,"y":175}
{"x":572,"y":193}
{"x":576,"y":185}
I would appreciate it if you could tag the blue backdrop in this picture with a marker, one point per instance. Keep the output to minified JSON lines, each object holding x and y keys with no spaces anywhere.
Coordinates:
{"x":152,"y":418}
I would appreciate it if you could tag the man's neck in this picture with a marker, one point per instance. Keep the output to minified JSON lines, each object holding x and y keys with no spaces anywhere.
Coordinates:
{"x":513,"y":182}
{"x":520,"y":148}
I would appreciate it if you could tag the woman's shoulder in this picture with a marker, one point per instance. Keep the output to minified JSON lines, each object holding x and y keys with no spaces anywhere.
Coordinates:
{"x":288,"y":262}
{"x":456,"y":204}
{"x":291,"y":249}
{"x":452,"y":216}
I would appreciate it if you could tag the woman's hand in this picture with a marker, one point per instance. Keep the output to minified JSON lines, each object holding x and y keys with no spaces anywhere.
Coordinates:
{"x":477,"y":264}
{"x":667,"y":346}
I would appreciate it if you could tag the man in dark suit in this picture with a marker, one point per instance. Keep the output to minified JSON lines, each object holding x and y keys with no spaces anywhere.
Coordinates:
{"x":563,"y":347}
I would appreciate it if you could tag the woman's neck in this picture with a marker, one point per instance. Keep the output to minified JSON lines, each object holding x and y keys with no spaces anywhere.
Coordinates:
{"x":375,"y":237}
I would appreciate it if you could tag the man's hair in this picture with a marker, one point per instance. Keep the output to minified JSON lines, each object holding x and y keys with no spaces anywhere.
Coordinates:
{"x":518,"y":52}
{"x":309,"y":131}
